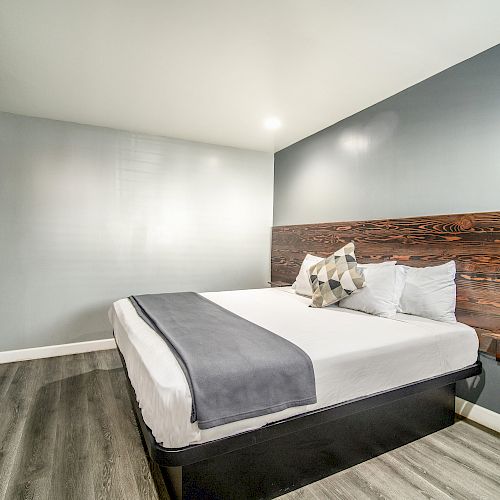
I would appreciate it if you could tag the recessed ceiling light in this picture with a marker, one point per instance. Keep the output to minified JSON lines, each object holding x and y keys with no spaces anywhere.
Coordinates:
{"x":272,"y":123}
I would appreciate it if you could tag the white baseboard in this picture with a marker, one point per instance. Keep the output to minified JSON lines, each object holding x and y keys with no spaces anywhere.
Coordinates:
{"x":56,"y":350}
{"x":478,"y":414}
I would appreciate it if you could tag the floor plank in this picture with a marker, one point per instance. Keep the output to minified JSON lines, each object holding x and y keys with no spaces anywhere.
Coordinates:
{"x":14,"y":409}
{"x":139,"y":466}
{"x":33,"y":466}
{"x":67,"y":431}
{"x":114,"y":479}
{"x":72,"y":460}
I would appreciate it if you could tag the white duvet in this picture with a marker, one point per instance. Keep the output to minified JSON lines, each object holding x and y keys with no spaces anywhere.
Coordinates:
{"x":354,"y":354}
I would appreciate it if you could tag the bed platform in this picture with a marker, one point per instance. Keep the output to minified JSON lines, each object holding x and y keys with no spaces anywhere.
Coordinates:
{"x":283,"y":456}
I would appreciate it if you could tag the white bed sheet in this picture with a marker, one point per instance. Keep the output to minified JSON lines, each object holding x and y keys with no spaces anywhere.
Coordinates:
{"x":354,"y":354}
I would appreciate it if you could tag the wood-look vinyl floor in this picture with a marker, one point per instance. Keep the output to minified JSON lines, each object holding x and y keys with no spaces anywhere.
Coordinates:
{"x":67,"y":431}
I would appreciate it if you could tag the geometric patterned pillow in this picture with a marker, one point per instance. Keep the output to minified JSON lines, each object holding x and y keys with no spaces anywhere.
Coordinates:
{"x":336,"y":277}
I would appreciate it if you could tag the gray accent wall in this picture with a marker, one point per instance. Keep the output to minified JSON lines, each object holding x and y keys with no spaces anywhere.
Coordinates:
{"x":89,"y":215}
{"x":431,"y":149}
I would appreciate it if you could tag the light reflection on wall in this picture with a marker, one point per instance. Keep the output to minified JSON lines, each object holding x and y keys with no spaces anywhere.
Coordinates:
{"x":355,"y":142}
{"x":378,"y":130}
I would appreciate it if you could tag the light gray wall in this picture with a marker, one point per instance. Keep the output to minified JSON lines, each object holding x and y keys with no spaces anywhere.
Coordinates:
{"x":89,"y":215}
{"x":432,"y":149}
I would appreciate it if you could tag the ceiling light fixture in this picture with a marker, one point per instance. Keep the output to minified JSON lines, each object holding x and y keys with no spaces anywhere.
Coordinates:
{"x":272,"y":123}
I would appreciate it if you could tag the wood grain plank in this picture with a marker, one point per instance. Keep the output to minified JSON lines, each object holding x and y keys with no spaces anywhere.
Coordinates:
{"x":409,"y":480}
{"x":7,"y":372}
{"x":108,"y":440}
{"x":429,"y":465}
{"x":35,"y":453}
{"x":472,"y":240}
{"x":13,"y":414}
{"x":128,"y":425}
{"x":472,"y":433}
{"x":72,"y":461}
{"x":484,"y":464}
{"x":339,"y":487}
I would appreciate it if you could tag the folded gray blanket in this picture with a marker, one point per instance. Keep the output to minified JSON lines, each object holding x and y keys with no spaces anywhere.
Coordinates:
{"x":235,"y":369}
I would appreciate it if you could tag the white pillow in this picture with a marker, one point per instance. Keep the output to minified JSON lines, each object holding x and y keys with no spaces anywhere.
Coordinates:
{"x":430,"y":292}
{"x":377,"y":264}
{"x":380,"y":296}
{"x":302,"y":284}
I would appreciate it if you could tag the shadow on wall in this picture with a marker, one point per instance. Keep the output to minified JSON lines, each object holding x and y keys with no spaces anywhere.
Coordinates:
{"x":473,"y":387}
{"x":483,"y":389}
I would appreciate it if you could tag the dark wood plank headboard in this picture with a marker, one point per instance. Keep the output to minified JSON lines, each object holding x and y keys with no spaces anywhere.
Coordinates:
{"x":472,"y":240}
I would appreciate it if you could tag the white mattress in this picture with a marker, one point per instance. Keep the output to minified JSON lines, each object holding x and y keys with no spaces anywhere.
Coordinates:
{"x":354,"y":354}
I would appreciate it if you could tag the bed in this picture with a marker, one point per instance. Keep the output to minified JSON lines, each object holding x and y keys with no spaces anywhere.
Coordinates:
{"x":353,"y":354}
{"x":357,"y":358}
{"x":380,"y":383}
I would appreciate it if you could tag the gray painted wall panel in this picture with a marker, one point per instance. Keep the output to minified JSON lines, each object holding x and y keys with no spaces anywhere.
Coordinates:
{"x":89,"y":215}
{"x":432,"y":149}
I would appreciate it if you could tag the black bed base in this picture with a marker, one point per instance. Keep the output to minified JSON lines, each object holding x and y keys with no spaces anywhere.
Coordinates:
{"x":286,"y":455}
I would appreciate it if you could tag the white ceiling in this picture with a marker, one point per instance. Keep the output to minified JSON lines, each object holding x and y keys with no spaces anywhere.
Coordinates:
{"x":214,"y":70}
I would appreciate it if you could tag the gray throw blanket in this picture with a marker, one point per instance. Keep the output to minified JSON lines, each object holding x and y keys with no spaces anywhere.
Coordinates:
{"x":235,"y":369}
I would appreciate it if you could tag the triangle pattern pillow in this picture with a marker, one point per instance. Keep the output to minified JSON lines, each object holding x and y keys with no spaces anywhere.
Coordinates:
{"x":336,"y":277}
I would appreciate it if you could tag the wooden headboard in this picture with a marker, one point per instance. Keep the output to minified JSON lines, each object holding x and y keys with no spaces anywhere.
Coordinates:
{"x":472,"y":240}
